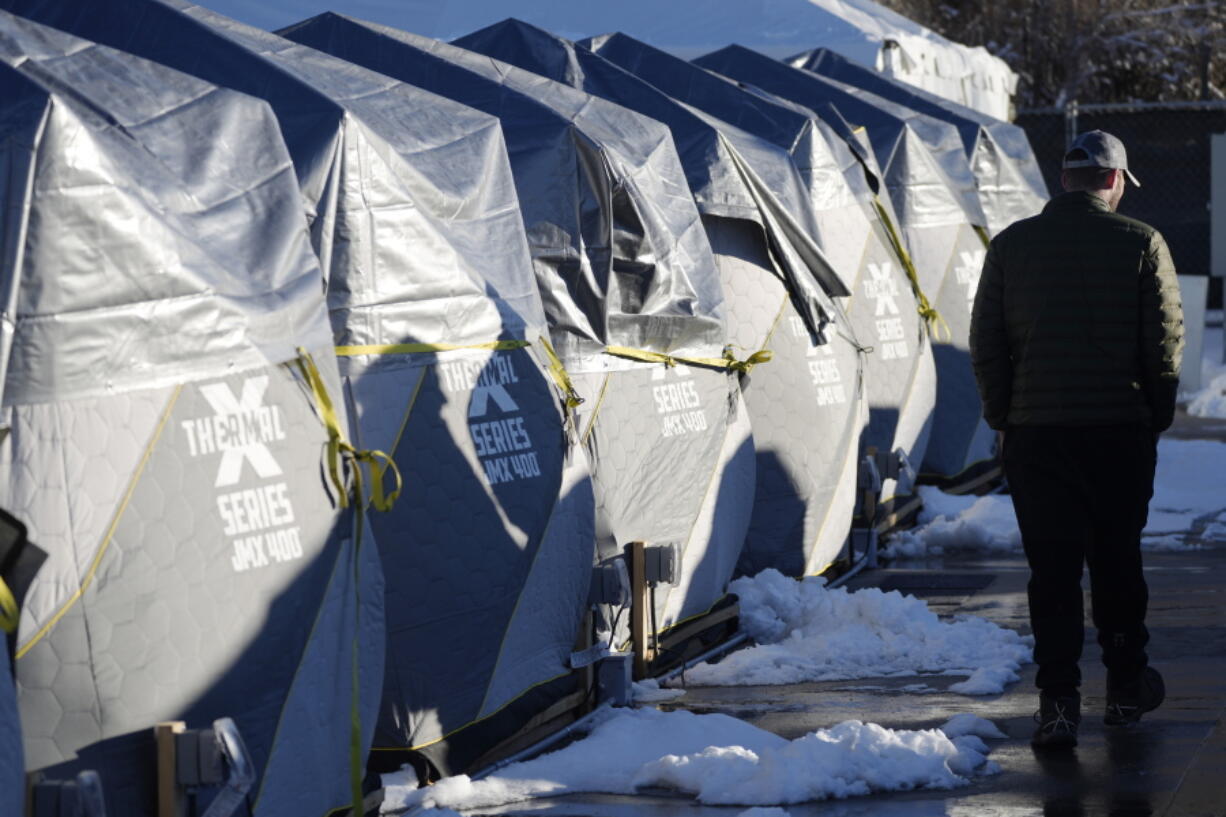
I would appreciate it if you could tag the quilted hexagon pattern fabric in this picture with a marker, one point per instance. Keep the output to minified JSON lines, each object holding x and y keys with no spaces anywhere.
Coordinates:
{"x":219,"y":581}
{"x":807,"y":410}
{"x":488,"y":553}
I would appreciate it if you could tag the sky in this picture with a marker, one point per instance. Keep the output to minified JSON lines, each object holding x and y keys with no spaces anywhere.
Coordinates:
{"x":414,"y":15}
{"x":785,"y":26}
{"x":444,"y":19}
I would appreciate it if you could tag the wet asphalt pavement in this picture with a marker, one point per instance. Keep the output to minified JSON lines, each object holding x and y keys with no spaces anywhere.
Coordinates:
{"x":1172,"y":764}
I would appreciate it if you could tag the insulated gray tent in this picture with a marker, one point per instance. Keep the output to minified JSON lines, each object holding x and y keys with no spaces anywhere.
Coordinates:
{"x":885,"y":306}
{"x":947,"y":246}
{"x":781,"y":296}
{"x":1007,"y":175}
{"x":627,"y":276}
{"x":437,"y":321}
{"x":167,"y":365}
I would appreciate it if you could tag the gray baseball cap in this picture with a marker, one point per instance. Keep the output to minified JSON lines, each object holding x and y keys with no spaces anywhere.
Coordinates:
{"x":1099,"y":149}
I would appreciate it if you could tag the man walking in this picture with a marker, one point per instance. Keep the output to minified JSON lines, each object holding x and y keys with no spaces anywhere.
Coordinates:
{"x":1076,"y":339}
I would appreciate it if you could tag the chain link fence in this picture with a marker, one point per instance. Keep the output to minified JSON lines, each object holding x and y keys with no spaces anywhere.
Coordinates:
{"x":1168,"y":150}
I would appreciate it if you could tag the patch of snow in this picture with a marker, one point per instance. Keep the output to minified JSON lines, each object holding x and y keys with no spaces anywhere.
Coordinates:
{"x":1210,"y":401}
{"x":1188,"y":486}
{"x":649,"y":691}
{"x":403,"y":780}
{"x":947,"y":522}
{"x":720,"y":760}
{"x":764,"y":811}
{"x":1215,"y":531}
{"x":1167,"y":543}
{"x":1187,"y":492}
{"x":968,"y":724}
{"x":989,"y":680}
{"x":805,"y":631}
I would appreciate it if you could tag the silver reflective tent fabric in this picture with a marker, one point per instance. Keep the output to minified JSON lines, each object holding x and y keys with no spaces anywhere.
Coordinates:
{"x":1007,"y":174}
{"x":610,"y":224}
{"x":946,"y":246}
{"x":650,"y":289}
{"x":900,"y":378}
{"x":168,"y":444}
{"x":757,"y":215}
{"x":334,"y":115}
{"x":487,"y":554}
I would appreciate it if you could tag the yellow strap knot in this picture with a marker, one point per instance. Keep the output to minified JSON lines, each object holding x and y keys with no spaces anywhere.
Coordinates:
{"x":746,"y":365}
{"x":560,"y":376}
{"x":341,"y":452}
{"x":380,"y":463}
{"x":9,"y":614}
{"x":728,"y":361}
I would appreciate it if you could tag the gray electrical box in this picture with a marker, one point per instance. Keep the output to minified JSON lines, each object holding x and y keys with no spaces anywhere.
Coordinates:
{"x":610,"y":584}
{"x":660,"y":564}
{"x":613,"y":679}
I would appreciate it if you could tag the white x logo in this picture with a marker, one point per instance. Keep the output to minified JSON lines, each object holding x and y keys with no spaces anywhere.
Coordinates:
{"x":480,"y":403}
{"x":883,"y":289}
{"x":239,"y":419}
{"x":968,"y":272}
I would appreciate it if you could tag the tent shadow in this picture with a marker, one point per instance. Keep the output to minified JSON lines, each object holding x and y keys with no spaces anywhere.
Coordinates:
{"x":779,"y":514}
{"x":304,"y":644}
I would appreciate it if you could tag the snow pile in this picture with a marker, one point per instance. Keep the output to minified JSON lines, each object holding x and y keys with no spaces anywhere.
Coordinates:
{"x":968,"y":724}
{"x":719,"y":760}
{"x":847,"y":760}
{"x":1188,"y":491}
{"x":808,"y":632}
{"x":948,"y":522}
{"x":648,"y":691}
{"x":1211,"y":400}
{"x":1188,"y":501}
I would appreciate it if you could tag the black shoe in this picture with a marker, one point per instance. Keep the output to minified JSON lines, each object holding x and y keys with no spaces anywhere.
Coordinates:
{"x":1128,"y":702}
{"x":1058,"y":719}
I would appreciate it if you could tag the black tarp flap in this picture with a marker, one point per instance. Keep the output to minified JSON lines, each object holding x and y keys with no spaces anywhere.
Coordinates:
{"x":731,"y":172}
{"x":617,"y":246}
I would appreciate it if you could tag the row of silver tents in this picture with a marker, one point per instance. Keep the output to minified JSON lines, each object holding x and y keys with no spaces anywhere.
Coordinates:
{"x":340,"y":365}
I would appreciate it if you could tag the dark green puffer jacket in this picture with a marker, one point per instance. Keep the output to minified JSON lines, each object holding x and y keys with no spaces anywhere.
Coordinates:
{"x":1077,"y":321}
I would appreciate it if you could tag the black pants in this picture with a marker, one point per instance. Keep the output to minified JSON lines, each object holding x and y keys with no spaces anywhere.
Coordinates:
{"x":1082,"y":497}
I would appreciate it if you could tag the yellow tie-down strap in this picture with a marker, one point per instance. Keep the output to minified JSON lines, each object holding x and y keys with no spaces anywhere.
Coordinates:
{"x":729,"y":361}
{"x":426,"y":348}
{"x":340,"y":448}
{"x":927,"y":311}
{"x":8,"y":609}
{"x":982,"y":232}
{"x":556,"y":370}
